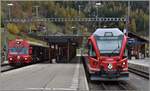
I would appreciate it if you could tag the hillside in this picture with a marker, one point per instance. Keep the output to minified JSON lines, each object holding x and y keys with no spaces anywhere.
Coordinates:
{"x":139,"y":15}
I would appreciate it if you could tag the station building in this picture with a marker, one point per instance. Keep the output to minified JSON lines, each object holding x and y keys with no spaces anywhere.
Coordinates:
{"x":63,"y":48}
{"x":138,"y":47}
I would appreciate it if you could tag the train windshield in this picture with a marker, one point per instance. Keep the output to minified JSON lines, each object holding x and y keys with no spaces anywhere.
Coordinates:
{"x":109,"y":45}
{"x":18,"y":51}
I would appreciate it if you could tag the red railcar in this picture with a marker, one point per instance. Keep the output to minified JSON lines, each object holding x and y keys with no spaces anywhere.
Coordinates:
{"x":107,"y":58}
{"x":21,"y":52}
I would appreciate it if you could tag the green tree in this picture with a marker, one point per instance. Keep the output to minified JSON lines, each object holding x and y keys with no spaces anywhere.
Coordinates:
{"x":133,"y":25}
{"x":12,"y":28}
{"x":121,"y":25}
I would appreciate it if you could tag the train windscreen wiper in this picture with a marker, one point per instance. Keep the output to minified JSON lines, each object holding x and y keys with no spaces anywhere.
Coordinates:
{"x":116,"y":48}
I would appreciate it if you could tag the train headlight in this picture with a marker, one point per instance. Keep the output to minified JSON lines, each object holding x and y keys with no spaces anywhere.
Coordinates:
{"x":18,"y":42}
{"x":123,"y":63}
{"x":10,"y":58}
{"x":18,"y":57}
{"x":25,"y":58}
{"x":110,"y":66}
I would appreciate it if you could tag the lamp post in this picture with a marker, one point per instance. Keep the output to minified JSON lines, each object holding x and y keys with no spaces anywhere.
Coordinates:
{"x":79,"y":7}
{"x":97,"y":5}
{"x":9,"y":9}
{"x":73,"y":30}
{"x":97,"y":15}
{"x":5,"y":32}
{"x":36,"y":10}
{"x":127,"y":19}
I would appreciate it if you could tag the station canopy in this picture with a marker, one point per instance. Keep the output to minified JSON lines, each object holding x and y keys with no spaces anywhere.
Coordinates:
{"x":63,"y":39}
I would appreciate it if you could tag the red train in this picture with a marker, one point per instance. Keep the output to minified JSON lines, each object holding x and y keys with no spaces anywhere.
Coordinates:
{"x":107,"y":55}
{"x":21,"y":52}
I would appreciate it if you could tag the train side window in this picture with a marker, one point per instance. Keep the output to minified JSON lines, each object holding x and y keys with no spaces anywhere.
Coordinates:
{"x":91,"y":50}
{"x":125,"y":53}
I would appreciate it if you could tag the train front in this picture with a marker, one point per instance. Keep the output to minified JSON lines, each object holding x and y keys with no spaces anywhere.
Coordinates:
{"x":18,"y":52}
{"x":108,"y":55}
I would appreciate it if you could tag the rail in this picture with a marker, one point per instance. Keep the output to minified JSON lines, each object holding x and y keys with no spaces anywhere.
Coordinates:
{"x":140,"y":73}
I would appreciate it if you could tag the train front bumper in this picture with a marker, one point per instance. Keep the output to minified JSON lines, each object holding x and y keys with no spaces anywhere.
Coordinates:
{"x":19,"y":61}
{"x":110,"y":77}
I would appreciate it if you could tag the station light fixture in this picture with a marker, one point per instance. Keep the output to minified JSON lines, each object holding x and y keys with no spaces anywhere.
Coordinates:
{"x":10,"y":4}
{"x":98,"y":4}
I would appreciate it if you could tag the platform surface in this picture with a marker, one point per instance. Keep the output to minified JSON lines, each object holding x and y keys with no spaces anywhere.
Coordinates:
{"x":143,"y":62}
{"x":45,"y":77}
{"x":142,"y":65}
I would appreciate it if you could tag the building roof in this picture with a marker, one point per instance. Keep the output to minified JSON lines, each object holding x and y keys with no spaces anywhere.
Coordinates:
{"x":134,"y":35}
{"x":63,"y":39}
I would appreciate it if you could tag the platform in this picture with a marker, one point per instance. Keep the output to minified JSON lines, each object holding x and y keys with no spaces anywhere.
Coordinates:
{"x":45,"y":77}
{"x":140,"y":64}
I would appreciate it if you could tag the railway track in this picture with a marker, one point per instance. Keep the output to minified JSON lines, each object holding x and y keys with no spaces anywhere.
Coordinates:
{"x":4,"y":65}
{"x":110,"y":85}
{"x":5,"y":68}
{"x":138,"y":72}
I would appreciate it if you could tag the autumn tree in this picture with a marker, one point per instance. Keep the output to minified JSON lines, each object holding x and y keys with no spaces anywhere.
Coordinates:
{"x":12,"y":28}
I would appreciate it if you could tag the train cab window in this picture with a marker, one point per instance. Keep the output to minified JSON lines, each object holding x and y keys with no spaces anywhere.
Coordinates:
{"x":91,"y":51}
{"x":18,"y":50}
{"x":110,"y":45}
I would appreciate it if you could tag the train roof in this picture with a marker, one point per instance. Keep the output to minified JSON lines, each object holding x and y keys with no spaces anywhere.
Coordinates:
{"x":26,"y":42}
{"x":103,"y":31}
{"x":37,"y":44}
